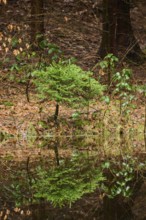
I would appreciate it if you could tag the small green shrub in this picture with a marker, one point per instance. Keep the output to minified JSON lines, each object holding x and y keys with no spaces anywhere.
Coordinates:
{"x":124,"y":90}
{"x":66,"y":83}
{"x":107,"y":65}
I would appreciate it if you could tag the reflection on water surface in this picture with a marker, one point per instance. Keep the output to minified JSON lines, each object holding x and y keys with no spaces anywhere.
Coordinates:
{"x":73,"y":173}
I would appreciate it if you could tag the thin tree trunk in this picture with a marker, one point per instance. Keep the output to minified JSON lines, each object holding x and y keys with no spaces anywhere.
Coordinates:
{"x":56,"y":113}
{"x":37,"y":22}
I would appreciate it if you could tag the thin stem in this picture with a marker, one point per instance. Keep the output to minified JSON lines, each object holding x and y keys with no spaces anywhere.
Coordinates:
{"x":56,"y":113}
{"x":27,"y":89}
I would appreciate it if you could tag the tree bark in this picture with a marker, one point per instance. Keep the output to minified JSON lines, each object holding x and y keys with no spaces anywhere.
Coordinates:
{"x":37,"y":22}
{"x":118,"y":37}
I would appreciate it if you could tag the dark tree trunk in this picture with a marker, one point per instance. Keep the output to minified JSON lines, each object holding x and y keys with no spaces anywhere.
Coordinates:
{"x":118,"y":37}
{"x":37,"y":22}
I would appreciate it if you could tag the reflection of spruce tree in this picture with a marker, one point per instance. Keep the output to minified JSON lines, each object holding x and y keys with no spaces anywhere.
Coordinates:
{"x":68,"y":182}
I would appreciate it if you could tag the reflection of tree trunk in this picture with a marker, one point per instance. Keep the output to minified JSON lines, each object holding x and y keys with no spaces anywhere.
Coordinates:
{"x":118,"y":37}
{"x":116,"y":209}
{"x":37,"y":22}
{"x":110,"y":209}
{"x":145,"y":123}
{"x":39,"y":212}
{"x":56,"y":145}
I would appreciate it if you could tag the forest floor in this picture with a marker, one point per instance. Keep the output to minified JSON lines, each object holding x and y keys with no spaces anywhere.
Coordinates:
{"x":75,"y":26}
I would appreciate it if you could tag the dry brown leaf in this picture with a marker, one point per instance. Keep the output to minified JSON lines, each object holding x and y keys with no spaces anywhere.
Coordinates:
{"x":66,"y":19}
{"x":3,"y":1}
{"x":101,"y":72}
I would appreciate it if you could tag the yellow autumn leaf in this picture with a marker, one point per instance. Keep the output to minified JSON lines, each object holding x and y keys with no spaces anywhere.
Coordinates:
{"x":16,"y":209}
{"x":9,"y":40}
{"x":20,"y":40}
{"x":101,"y":72}
{"x":6,"y":49}
{"x":10,"y":27}
{"x":5,"y":217}
{"x":22,"y":212}
{"x":7,"y":211}
{"x":27,"y":45}
{"x":28,"y":212}
{"x":18,"y":28}
{"x":4,"y":45}
{"x":3,"y":1}
{"x":1,"y":213}
{"x":16,"y":52}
